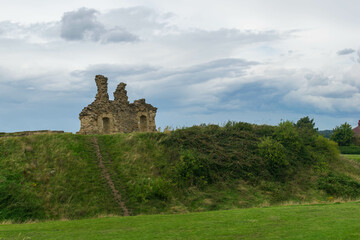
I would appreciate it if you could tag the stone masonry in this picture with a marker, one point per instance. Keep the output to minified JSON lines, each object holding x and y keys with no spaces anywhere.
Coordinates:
{"x":104,"y":116}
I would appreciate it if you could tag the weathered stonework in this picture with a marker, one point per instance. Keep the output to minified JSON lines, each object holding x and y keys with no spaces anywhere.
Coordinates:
{"x":104,"y":116}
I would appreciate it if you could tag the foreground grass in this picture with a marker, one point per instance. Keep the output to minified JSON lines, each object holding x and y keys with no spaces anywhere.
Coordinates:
{"x":328,"y":221}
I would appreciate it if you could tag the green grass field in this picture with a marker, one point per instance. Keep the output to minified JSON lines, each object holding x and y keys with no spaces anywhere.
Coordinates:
{"x":352,"y":156}
{"x":327,"y":221}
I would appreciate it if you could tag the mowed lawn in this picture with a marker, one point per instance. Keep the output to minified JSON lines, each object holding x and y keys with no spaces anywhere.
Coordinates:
{"x":352,"y":156}
{"x":324,"y":221}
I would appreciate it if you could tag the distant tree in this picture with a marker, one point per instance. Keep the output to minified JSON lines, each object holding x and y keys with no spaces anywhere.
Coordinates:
{"x":325,"y":133}
{"x":342,"y":134}
{"x":306,"y":123}
{"x":307,"y":130}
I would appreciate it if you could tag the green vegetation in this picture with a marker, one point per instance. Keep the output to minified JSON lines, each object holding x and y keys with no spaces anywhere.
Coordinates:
{"x":200,"y":168}
{"x":51,"y":177}
{"x":327,"y":221}
{"x":352,"y":149}
{"x":325,"y":133}
{"x":343,"y":134}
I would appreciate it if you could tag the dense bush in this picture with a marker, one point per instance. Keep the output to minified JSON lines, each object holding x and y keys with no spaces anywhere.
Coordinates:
{"x":214,"y":153}
{"x":192,"y":169}
{"x":350,"y":149}
{"x":339,"y":185}
{"x":148,"y":188}
{"x":209,"y":153}
{"x":274,"y":153}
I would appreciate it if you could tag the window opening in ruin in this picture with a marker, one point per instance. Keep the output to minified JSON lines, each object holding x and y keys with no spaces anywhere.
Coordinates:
{"x":143,"y":124}
{"x":106,"y":125}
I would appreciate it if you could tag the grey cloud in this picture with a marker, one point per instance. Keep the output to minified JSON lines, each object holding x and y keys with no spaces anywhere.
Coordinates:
{"x":356,"y":58}
{"x":316,"y":79}
{"x":225,"y":36}
{"x":192,"y":74}
{"x":221,"y":68}
{"x":345,"y":51}
{"x":8,"y":28}
{"x":222,"y":42}
{"x":40,"y":101}
{"x":117,"y":25}
{"x":223,"y":63}
{"x":135,"y":24}
{"x":226,"y":83}
{"x":37,"y":32}
{"x":238,"y":35}
{"x":81,"y":24}
{"x":114,"y":70}
{"x":325,"y":94}
{"x":199,"y":85}
{"x":119,"y":35}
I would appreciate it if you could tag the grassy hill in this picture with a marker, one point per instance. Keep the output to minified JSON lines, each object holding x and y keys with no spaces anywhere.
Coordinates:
{"x":322,"y":221}
{"x":201,"y":168}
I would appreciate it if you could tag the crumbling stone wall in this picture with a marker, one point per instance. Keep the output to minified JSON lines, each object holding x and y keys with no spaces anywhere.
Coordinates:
{"x":104,"y":116}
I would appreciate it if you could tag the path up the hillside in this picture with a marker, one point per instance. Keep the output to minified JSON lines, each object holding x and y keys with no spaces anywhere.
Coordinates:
{"x":106,"y":175}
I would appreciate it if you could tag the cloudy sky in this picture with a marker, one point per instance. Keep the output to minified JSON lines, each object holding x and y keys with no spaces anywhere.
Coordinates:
{"x":203,"y":61}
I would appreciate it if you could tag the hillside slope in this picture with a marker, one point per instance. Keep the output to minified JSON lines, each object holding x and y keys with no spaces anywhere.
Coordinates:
{"x":200,"y":168}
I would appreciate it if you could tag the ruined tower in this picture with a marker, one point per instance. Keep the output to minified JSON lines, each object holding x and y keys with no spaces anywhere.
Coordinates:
{"x":104,"y":116}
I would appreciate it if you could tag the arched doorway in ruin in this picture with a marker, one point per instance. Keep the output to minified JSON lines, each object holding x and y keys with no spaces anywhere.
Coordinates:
{"x":143,"y":124}
{"x":106,"y":125}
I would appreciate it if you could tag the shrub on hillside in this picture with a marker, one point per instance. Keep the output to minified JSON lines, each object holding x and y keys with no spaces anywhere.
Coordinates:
{"x":274,"y":153}
{"x":326,"y":149}
{"x":288,"y":135}
{"x":293,"y":147}
{"x":148,"y":188}
{"x":209,"y":153}
{"x":213,"y":153}
{"x":339,"y":185}
{"x":192,"y":169}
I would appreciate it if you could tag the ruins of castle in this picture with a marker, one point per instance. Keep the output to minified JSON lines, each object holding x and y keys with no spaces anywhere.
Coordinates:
{"x":104,"y":116}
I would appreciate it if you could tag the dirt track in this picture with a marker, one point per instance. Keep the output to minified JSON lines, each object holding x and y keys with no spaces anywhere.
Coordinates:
{"x":105,"y":173}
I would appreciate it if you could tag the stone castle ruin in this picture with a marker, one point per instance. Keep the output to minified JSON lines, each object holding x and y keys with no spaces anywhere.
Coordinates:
{"x":104,"y":116}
